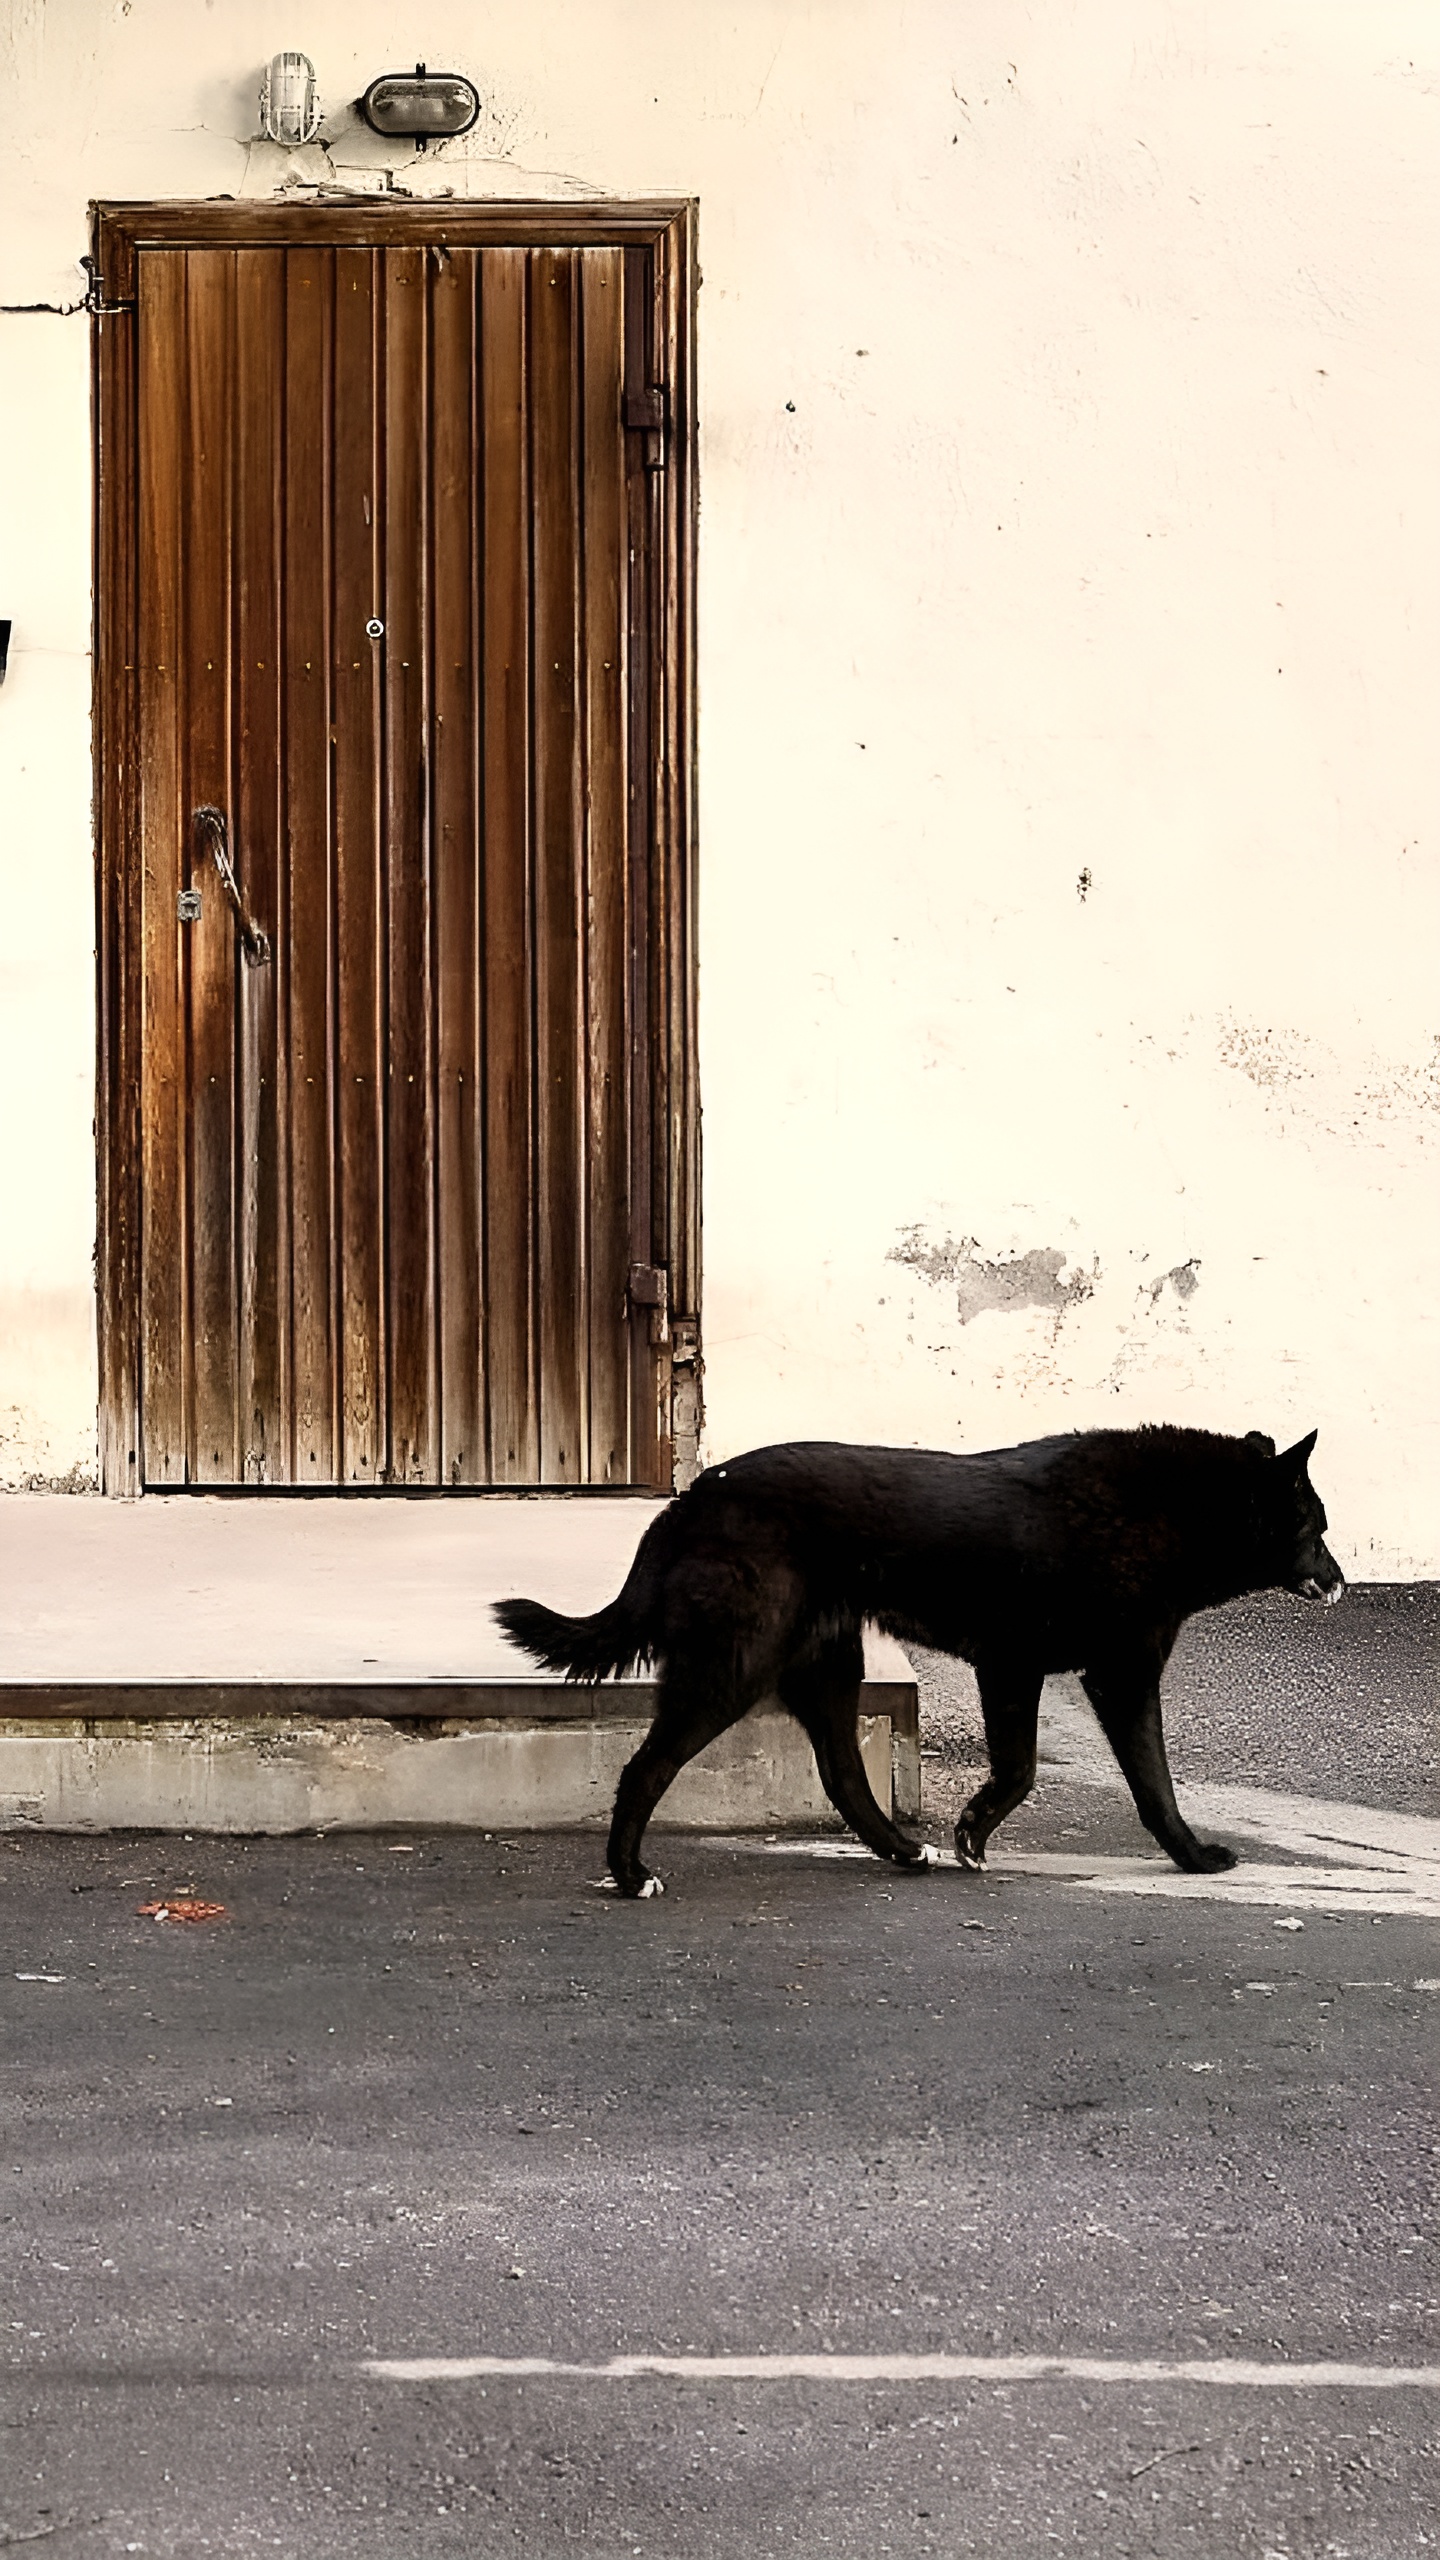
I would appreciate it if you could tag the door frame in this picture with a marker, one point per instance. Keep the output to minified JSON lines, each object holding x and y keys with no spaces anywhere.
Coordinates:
{"x":666,"y":1088}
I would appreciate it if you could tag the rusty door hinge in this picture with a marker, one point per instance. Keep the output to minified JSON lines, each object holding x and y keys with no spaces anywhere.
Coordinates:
{"x":95,"y":302}
{"x":650,"y":1287}
{"x":645,"y":411}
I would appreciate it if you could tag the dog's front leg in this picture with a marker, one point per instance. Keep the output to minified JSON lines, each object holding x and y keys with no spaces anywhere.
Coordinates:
{"x":1126,"y":1698}
{"x":1010,"y":1701}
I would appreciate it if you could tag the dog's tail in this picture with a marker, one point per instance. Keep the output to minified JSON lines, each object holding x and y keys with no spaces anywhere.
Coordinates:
{"x":583,"y":1648}
{"x":613,"y":1640}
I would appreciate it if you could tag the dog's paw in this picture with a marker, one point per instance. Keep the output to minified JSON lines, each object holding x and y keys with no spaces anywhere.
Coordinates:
{"x":651,"y":1886}
{"x":1214,"y":1859}
{"x":968,"y":1855}
{"x":604,"y":1884}
{"x":925,"y":1857}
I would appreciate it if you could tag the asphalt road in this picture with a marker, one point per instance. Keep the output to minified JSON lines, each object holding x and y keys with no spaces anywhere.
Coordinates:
{"x":444,"y":2100}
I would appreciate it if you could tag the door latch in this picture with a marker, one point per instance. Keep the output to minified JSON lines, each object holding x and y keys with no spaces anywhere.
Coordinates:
{"x":187,"y":906}
{"x":210,"y":826}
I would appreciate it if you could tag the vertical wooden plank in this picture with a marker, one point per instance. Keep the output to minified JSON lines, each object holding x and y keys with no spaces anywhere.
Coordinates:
{"x":410,"y":1152}
{"x":114,"y":347}
{"x":674,"y":643}
{"x":649,"y":1241}
{"x":165,"y":865}
{"x":559,"y":956}
{"x":359,"y":884}
{"x":677,"y":280}
{"x":508,"y":1108}
{"x":212,"y":943}
{"x":604,"y":673}
{"x":454,"y":573}
{"x":666,"y":904}
{"x":263,"y":1312}
{"x":305,"y":956}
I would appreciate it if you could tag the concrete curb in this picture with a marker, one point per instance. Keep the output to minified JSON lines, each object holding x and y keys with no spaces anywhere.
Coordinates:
{"x":309,"y":1771}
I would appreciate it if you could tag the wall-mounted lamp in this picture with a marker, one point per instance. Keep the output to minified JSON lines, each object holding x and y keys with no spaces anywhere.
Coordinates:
{"x":289,"y":107}
{"x":420,"y":106}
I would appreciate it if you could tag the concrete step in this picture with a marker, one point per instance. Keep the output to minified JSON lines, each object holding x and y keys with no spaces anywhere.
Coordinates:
{"x":266,"y":1663}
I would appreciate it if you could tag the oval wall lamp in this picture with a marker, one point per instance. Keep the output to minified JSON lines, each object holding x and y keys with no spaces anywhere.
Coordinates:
{"x":420,"y":106}
{"x":289,"y":107}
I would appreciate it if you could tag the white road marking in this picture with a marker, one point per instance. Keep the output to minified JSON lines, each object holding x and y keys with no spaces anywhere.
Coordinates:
{"x":1376,"y":1889}
{"x":1229,"y":2372}
{"x":1346,"y":1858}
{"x":1379,"y":1891}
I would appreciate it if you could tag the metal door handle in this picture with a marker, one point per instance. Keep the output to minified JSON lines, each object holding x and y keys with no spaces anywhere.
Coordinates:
{"x":210,"y":827}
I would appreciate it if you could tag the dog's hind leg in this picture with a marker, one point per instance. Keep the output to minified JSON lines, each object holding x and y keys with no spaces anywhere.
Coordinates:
{"x":1010,"y":1701}
{"x":1126,"y":1698}
{"x":822,"y":1691}
{"x":694,"y":1707}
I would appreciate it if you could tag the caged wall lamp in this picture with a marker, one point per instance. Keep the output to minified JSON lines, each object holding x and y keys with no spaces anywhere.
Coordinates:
{"x":420,"y":106}
{"x":289,"y":107}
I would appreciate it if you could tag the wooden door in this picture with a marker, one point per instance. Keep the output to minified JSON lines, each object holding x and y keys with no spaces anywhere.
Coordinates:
{"x":395,"y":830}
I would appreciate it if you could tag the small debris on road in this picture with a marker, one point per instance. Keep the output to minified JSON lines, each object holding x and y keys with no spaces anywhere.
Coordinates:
{"x":183,"y":1907}
{"x":1171,"y":2453}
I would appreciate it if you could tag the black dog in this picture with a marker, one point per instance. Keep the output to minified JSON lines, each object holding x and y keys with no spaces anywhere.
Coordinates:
{"x":1079,"y":1554}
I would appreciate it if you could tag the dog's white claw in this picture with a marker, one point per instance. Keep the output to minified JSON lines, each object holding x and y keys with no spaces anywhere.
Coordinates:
{"x":651,"y":1886}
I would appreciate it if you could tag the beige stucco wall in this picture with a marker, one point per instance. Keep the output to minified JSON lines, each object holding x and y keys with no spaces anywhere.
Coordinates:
{"x":1068,"y":663}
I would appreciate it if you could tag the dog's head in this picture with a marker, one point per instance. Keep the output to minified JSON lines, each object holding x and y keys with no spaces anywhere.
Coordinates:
{"x":1293,"y":1524}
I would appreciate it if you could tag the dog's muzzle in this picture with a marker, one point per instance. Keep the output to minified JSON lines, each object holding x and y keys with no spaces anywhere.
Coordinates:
{"x":1327,"y":1593}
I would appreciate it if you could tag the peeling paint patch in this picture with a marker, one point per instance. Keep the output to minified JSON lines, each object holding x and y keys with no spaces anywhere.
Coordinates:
{"x":1184,"y":1280}
{"x":1004,"y":1285}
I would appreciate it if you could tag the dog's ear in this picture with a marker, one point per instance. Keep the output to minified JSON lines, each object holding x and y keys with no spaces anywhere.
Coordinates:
{"x":1262,"y":1441}
{"x":1294,"y":1460}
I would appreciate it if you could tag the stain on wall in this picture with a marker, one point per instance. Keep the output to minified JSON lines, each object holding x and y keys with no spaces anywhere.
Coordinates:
{"x":1009,"y":1282}
{"x":1270,"y":1058}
